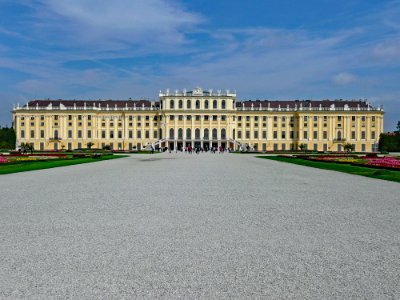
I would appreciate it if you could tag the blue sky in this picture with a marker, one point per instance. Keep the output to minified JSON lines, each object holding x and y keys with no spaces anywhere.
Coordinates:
{"x":280,"y":49}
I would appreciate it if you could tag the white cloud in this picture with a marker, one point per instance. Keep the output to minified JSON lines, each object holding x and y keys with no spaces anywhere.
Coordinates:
{"x":344,"y":78}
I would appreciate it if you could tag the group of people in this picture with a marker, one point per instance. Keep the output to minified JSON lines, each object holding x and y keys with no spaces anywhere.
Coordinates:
{"x":190,"y":150}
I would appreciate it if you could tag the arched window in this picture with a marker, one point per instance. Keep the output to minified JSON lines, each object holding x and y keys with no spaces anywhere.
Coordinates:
{"x":180,"y":104}
{"x":172,"y":104}
{"x":214,"y":134}
{"x":206,"y":104}
{"x":223,"y":104}
{"x":339,"y":135}
{"x":188,"y":134}
{"x":197,"y":134}
{"x":197,"y":104}
{"x":206,"y":134}
{"x":189,"y":104}
{"x":223,"y":133}
{"x":180,"y":133}
{"x":215,"y":104}
{"x":172,"y":133}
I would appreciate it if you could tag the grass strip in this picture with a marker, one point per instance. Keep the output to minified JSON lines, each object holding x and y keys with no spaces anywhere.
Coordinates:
{"x":390,"y":175}
{"x":53,"y":163}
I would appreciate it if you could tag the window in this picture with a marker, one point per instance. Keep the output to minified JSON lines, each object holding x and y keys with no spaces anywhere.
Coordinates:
{"x":363,"y":135}
{"x":180,"y":133}
{"x":248,"y":118}
{"x":325,"y":135}
{"x":172,"y":117}
{"x":305,"y":118}
{"x":353,"y":135}
{"x":197,"y":134}
{"x":363,"y":118}
{"x":206,"y":134}
{"x":55,"y":117}
{"x":264,"y":118}
{"x":214,"y":133}
{"x":215,"y":104}
{"x":171,"y":104}
{"x":79,"y":134}
{"x":56,"y":134}
{"x":147,"y":134}
{"x":188,"y":133}
{"x":339,"y":135}
{"x":223,"y":133}
{"x":139,"y":134}
{"x":70,"y":134}
{"x":206,"y":118}
{"x":214,"y":118}
{"x":283,"y":119}
{"x":292,"y":134}
{"x":264,"y":134}
{"x":239,"y":134}
{"x":189,"y":104}
{"x":373,"y":135}
{"x":315,"y":136}
{"x":373,"y":118}
{"x":305,"y":134}
{"x":89,"y":134}
{"x":180,"y":117}
{"x":130,"y":134}
{"x":197,"y":104}
{"x":130,"y":118}
{"x":239,"y":118}
{"x":42,"y":118}
{"x":32,"y":134}
{"x":353,"y":118}
{"x":197,"y":118}
{"x":275,"y":134}
{"x":315,"y":147}
{"x":139,"y":118}
{"x":111,"y":134}
{"x":23,"y":134}
{"x":189,"y":117}
{"x":247,"y":134}
{"x":275,"y":119}
{"x":172,"y":133}
{"x":180,"y":104}
{"x":283,"y":134}
{"x":79,"y":117}
{"x":103,"y":134}
{"x":42,"y":134}
{"x":315,"y":119}
{"x":120,"y":134}
{"x":339,"y":118}
{"x":223,"y":104}
{"x":206,"y":104}
{"x":89,"y":117}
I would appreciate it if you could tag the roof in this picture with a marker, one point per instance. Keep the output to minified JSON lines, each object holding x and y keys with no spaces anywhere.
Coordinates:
{"x":91,"y":103}
{"x":303,"y":103}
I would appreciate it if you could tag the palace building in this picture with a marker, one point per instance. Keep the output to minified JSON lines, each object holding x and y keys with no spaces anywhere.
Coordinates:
{"x":200,"y":118}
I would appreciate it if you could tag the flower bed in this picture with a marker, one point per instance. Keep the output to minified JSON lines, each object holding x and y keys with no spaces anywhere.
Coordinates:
{"x":3,"y":160}
{"x":387,"y":162}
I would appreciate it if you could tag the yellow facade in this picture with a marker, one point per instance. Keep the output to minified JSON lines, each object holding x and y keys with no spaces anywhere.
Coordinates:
{"x":201,"y":119}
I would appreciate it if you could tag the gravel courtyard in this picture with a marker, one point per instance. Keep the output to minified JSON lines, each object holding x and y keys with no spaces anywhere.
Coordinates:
{"x":198,"y":227}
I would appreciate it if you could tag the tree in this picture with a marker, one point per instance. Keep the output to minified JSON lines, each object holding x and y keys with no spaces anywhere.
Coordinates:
{"x":348,"y":147}
{"x":302,"y":146}
{"x":89,"y":145}
{"x":398,"y":127}
{"x":7,"y":138}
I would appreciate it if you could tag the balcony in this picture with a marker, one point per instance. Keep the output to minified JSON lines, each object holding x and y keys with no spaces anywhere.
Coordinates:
{"x":55,"y":139}
{"x":339,"y":140}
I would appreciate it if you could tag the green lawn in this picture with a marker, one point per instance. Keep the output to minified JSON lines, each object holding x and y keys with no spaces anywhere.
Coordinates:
{"x":47,"y":164}
{"x":346,"y":168}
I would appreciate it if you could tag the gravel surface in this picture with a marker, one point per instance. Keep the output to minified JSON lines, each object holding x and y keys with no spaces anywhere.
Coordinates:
{"x":198,"y":227}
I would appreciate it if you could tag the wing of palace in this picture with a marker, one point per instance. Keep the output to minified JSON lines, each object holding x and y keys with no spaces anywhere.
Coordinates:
{"x":200,"y":118}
